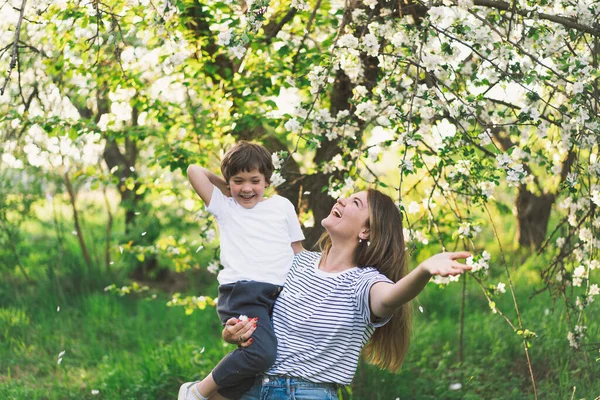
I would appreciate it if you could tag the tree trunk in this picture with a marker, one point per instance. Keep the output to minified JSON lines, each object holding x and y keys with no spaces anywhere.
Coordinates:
{"x":78,"y":230}
{"x":533,"y":213}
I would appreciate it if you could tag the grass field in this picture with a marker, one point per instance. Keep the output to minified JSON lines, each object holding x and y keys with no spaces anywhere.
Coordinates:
{"x":135,"y":347}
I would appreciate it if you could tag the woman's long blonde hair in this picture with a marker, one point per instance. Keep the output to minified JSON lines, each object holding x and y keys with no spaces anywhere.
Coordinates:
{"x":389,"y":344}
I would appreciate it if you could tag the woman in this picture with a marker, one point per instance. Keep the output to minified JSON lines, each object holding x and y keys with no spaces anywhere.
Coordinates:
{"x":353,"y":294}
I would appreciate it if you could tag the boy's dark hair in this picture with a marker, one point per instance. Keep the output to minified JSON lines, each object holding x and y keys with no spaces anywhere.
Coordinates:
{"x":246,"y":156}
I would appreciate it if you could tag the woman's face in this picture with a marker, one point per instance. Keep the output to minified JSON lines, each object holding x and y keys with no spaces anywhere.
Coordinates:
{"x":348,"y":216}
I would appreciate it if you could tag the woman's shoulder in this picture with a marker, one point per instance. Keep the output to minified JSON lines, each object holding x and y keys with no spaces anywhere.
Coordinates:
{"x":305,"y":260}
{"x":366,"y":273}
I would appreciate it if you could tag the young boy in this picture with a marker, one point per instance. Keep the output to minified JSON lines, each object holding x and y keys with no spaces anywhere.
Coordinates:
{"x":258,"y":238}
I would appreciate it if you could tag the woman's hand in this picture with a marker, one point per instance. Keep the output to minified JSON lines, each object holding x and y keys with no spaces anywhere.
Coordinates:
{"x":239,"y":332}
{"x":444,"y":264}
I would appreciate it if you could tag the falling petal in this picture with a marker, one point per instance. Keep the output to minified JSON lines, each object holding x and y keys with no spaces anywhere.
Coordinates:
{"x":58,"y":309}
{"x":137,"y":213}
{"x":144,"y":233}
{"x":62,"y":353}
{"x":421,"y":308}
{"x":307,"y":192}
{"x":455,"y":386}
{"x":111,"y":263}
{"x":121,"y":249}
{"x":132,"y":169}
{"x":73,"y":232}
{"x":202,"y":350}
{"x":199,"y":248}
{"x":95,"y":391}
{"x":59,"y":361}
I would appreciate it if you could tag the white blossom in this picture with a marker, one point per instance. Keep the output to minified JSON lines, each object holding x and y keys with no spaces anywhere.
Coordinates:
{"x":370,"y":3}
{"x":238,"y":51}
{"x":276,"y":161}
{"x":277,"y":179}
{"x":414,"y":207}
{"x":485,"y":138}
{"x":455,"y":386}
{"x":224,"y":37}
{"x":317,"y":77}
{"x":365,"y":111}
{"x":466,"y":230}
{"x":293,"y":125}
{"x":349,"y":41}
{"x":596,"y":197}
{"x":301,"y":5}
{"x":578,"y":275}
{"x":486,"y":188}
{"x":501,"y":287}
{"x":210,"y":235}
{"x":572,"y":340}
{"x":370,"y":44}
{"x":213,"y":267}
{"x":408,"y":165}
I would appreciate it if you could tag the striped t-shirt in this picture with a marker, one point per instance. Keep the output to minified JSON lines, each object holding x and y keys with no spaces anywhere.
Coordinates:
{"x":322,"y":321}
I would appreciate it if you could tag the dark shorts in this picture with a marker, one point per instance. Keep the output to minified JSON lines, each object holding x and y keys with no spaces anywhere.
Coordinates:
{"x":237,"y":371}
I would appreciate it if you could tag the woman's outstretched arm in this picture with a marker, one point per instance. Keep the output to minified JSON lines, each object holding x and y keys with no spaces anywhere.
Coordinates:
{"x":386,"y":298}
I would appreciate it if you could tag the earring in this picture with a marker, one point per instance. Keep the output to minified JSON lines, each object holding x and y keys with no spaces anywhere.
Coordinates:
{"x":368,"y":243}
{"x":359,"y":240}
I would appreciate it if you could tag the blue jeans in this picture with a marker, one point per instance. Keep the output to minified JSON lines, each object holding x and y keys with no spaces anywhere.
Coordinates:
{"x":269,"y":387}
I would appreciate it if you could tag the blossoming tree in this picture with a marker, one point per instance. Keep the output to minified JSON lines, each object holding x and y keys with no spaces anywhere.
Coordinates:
{"x":454,"y":106}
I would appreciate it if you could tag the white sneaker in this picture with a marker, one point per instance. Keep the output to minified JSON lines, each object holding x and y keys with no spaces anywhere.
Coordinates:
{"x":185,"y":391}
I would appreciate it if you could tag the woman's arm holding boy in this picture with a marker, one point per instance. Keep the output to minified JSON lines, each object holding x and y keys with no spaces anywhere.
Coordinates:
{"x":386,"y":298}
{"x":203,"y":181}
{"x":297,"y":247}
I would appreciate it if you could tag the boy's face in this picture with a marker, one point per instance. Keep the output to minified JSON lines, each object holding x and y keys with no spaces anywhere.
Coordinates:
{"x":248,"y":188}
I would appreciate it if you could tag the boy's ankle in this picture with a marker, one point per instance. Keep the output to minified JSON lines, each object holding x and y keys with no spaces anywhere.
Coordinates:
{"x":196,"y":395}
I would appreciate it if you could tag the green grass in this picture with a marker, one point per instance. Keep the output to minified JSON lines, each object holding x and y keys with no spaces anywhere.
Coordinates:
{"x":125,"y":347}
{"x":494,"y":365}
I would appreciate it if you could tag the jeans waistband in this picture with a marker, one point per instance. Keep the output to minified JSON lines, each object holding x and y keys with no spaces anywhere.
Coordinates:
{"x":289,"y":381}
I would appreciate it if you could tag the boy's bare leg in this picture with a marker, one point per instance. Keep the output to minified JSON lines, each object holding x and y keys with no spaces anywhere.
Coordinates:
{"x":207,"y":387}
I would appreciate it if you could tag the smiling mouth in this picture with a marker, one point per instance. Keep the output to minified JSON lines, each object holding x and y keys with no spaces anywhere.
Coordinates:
{"x":246,"y":196}
{"x":336,"y":213}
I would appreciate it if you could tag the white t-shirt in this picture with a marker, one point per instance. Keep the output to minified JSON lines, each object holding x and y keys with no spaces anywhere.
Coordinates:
{"x":322,"y":320}
{"x":255,"y":242}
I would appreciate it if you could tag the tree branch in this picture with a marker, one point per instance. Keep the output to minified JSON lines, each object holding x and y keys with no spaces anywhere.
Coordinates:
{"x":272,"y":28}
{"x":13,"y":58}
{"x":306,"y":33}
{"x":564,"y":21}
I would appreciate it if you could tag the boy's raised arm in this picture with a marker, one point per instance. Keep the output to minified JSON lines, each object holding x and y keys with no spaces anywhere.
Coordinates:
{"x":203,"y":181}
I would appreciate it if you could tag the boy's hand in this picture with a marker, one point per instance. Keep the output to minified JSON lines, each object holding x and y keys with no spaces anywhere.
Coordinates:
{"x":444,"y":264}
{"x":239,"y":332}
